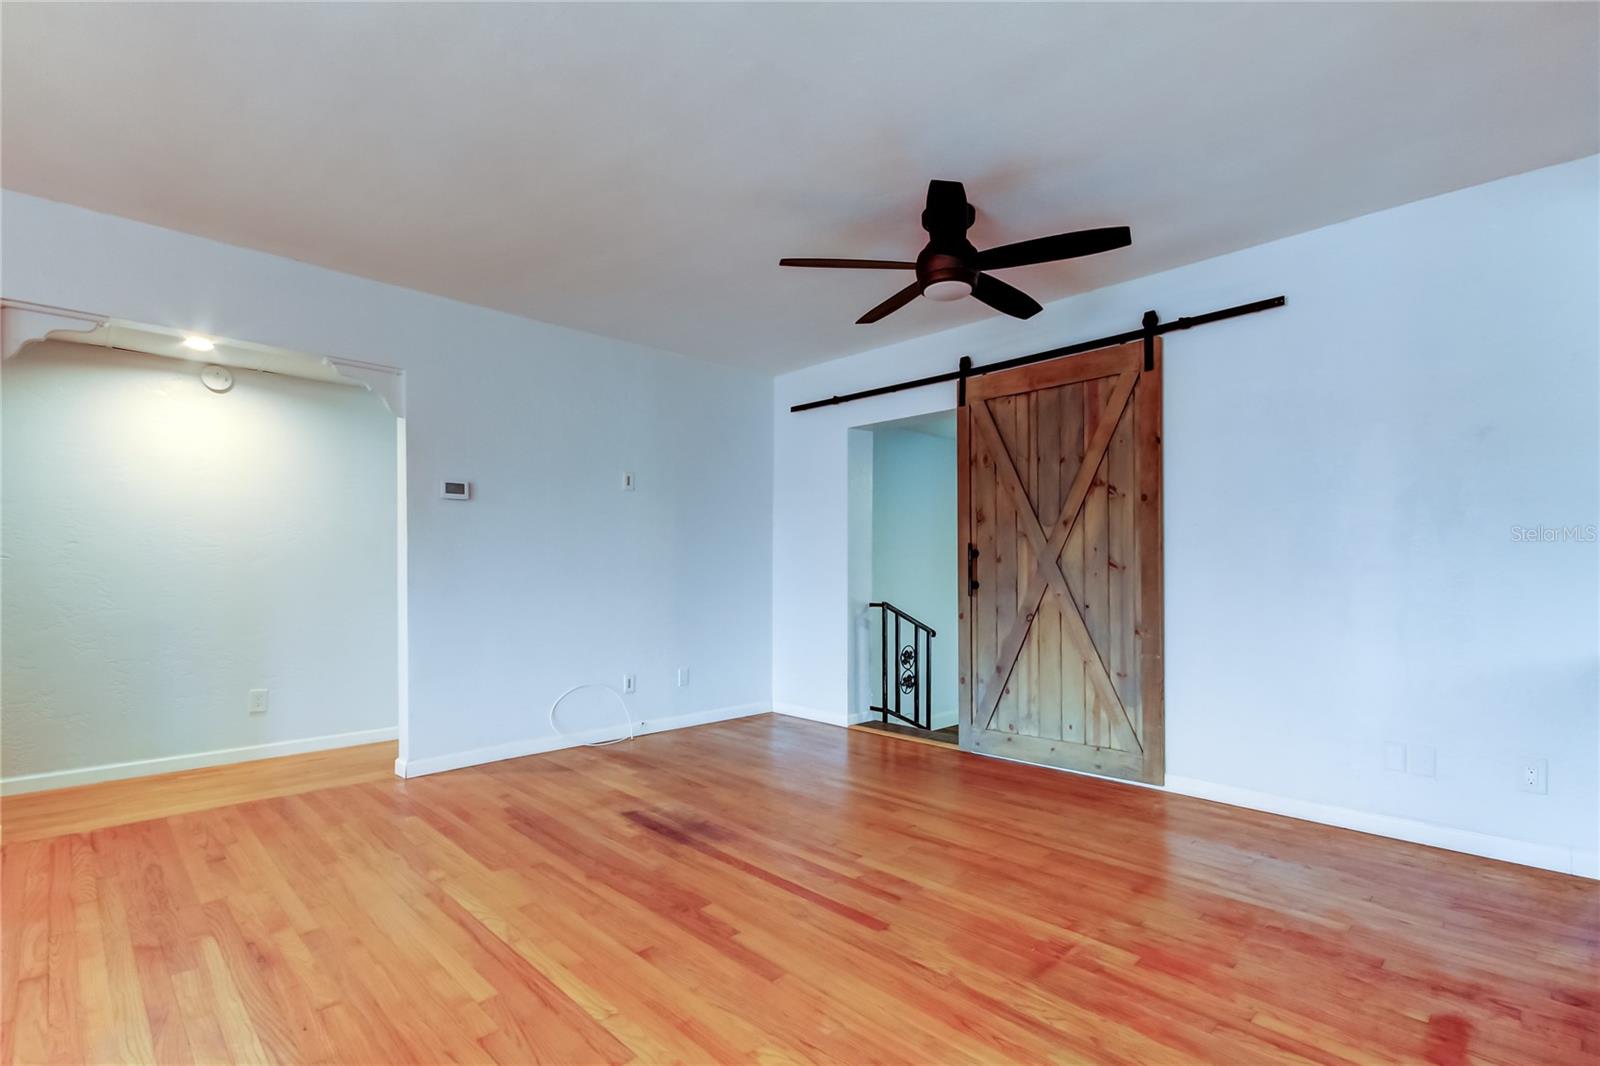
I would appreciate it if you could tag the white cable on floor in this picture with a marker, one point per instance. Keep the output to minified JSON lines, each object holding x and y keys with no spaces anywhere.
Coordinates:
{"x":620,"y":702}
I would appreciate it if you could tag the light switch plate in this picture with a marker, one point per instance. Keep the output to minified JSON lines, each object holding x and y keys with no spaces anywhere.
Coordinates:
{"x":1421,"y":760}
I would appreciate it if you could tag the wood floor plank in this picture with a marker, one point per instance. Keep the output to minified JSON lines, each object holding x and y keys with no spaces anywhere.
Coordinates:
{"x":766,"y":891}
{"x":36,"y":815}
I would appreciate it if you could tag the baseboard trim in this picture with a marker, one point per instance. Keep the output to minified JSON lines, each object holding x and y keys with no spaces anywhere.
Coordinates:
{"x":812,"y":714}
{"x":1506,"y":849}
{"x":516,"y":749}
{"x":120,"y":771}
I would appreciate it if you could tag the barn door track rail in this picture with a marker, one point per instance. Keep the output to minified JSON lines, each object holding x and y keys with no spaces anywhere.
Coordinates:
{"x":1149,"y":329}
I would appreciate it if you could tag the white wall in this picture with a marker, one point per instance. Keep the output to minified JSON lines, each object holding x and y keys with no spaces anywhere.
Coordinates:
{"x":168,"y":549}
{"x":914,"y":548}
{"x":552,"y":575}
{"x":1343,"y":477}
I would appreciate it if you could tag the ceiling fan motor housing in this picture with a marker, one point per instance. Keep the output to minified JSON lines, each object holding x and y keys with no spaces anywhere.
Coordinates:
{"x":933,"y":223}
{"x":946,"y":273}
{"x":949,"y":267}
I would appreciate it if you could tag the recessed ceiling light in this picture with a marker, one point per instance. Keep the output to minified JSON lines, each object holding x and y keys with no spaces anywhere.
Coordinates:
{"x":198,"y":344}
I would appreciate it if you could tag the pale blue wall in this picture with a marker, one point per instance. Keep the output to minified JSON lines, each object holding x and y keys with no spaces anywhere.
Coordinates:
{"x":914,"y":545}
{"x":169,"y":549}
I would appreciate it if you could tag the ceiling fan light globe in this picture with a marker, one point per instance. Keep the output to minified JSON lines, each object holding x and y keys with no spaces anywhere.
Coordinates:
{"x":945,"y":291}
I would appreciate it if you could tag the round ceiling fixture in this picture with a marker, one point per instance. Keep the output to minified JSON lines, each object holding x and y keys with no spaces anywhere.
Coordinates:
{"x":216,"y":378}
{"x":945,"y":291}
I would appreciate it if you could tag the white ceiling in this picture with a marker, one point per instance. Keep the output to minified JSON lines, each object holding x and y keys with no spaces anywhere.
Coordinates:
{"x":636,"y":171}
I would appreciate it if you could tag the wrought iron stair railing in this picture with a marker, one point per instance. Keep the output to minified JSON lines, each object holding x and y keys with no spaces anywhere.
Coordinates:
{"x":907,"y":669}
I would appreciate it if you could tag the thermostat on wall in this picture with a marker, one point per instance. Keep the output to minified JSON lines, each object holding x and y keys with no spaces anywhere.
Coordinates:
{"x":456,"y":490}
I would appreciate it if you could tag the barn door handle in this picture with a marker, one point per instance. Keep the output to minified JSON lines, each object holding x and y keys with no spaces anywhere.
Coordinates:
{"x":972,"y":569}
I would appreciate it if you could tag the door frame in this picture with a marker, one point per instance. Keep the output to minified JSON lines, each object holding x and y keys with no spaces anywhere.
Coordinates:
{"x":1146,"y":404}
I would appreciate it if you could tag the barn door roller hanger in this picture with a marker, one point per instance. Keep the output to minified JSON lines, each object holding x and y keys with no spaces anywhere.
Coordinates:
{"x":1149,"y":329}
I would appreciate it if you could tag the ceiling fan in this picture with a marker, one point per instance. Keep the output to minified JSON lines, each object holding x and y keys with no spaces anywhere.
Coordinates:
{"x":949,"y":267}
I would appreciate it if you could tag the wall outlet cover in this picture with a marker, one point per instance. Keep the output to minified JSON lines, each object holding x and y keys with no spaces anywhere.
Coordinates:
{"x":1533,"y":775}
{"x":258,"y":701}
{"x":1421,"y":760}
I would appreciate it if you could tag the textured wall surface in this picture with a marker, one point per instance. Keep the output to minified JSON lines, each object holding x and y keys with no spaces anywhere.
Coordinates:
{"x":168,"y":549}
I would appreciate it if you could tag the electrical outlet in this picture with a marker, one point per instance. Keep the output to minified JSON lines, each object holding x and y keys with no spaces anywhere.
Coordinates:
{"x":1394,"y":757}
{"x":258,"y":701}
{"x":1533,"y":775}
{"x":627,"y":683}
{"x":1420,"y":760}
{"x":683,"y":677}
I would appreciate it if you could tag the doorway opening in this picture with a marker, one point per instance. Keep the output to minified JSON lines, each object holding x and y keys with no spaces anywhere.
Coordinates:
{"x":206,"y":552}
{"x":905,"y":595}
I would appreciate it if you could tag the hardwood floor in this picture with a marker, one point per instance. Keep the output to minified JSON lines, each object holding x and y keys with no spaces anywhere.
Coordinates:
{"x":779,"y":891}
{"x":77,"y":810}
{"x":949,"y":735}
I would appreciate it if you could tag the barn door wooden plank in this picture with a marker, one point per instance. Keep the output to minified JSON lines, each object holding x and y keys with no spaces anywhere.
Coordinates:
{"x":1007,"y":544}
{"x":1121,"y":549}
{"x":1011,"y":639}
{"x":1073,"y":690}
{"x":1092,"y":593}
{"x":1046,"y":478}
{"x":1024,"y":432}
{"x":1068,"y":453}
{"x":1149,"y":627}
{"x":1114,"y":726}
{"x":985,"y":638}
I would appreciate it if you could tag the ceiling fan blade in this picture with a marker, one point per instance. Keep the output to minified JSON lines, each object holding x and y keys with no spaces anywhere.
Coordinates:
{"x":1004,"y":298}
{"x":892,"y":304}
{"x":947,"y":210}
{"x":1051,"y":249}
{"x":850,"y":264}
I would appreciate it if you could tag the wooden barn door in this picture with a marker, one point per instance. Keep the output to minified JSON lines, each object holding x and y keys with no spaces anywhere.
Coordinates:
{"x":1060,"y":500}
